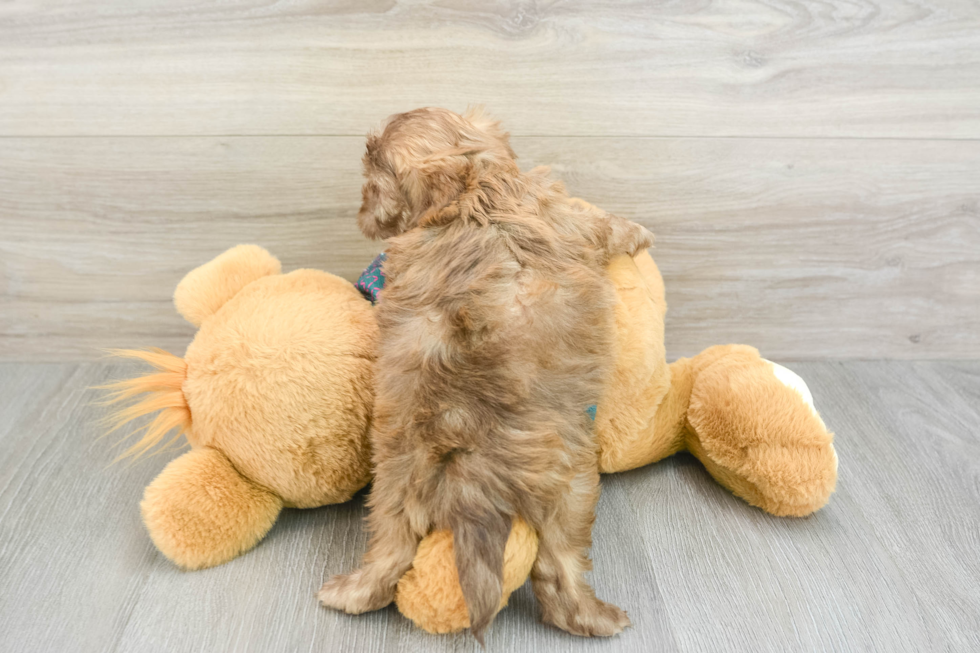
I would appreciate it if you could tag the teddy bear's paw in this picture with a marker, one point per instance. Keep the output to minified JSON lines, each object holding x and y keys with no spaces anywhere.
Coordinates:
{"x":355,"y":593}
{"x":592,"y":618}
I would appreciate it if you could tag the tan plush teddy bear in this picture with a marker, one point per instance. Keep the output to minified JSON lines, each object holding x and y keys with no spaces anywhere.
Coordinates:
{"x":274,"y":396}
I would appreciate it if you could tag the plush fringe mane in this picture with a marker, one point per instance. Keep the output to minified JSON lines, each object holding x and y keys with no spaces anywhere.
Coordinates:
{"x":160,"y":391}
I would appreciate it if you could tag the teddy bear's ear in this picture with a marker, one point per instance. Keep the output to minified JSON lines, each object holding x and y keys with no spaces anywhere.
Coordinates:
{"x":207,"y":288}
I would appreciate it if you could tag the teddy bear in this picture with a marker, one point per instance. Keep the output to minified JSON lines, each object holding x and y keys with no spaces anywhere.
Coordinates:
{"x":274,"y":396}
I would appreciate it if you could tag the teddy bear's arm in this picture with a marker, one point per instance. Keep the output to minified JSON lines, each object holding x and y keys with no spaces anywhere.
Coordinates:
{"x":200,"y":512}
{"x":430,"y":595}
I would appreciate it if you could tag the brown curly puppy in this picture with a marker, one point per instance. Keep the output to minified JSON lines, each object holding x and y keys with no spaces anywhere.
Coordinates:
{"x":496,"y":332}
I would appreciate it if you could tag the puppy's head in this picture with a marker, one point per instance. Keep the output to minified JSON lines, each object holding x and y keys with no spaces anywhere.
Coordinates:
{"x":423,"y":160}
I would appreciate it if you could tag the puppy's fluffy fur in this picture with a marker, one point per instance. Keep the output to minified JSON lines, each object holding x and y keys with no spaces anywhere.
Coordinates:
{"x":496,"y":331}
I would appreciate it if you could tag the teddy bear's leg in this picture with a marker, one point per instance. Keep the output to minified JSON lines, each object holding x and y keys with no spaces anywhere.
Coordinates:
{"x":201,"y":512}
{"x":753,"y":427}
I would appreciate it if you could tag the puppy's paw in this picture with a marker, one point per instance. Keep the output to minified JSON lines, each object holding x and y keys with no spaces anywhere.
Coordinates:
{"x":334,"y":593}
{"x":353,"y":594}
{"x":608,"y":620}
{"x":593,"y":618}
{"x":644,"y":240}
{"x":627,"y":237}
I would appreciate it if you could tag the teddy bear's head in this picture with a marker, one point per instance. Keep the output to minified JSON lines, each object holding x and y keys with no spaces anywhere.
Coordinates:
{"x":279,"y":374}
{"x":274,"y":395}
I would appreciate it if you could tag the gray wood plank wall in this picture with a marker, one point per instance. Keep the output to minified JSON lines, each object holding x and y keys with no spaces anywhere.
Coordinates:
{"x":812,"y":170}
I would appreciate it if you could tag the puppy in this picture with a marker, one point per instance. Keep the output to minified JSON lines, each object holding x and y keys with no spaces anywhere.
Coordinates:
{"x":496,"y":335}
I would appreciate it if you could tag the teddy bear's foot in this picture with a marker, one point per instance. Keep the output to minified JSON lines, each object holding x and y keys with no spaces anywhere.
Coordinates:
{"x":753,"y":427}
{"x":590,"y":618}
{"x":792,"y":380}
{"x":201,"y":512}
{"x":355,"y":593}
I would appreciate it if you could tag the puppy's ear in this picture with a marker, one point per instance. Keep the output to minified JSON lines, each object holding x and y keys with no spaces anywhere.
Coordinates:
{"x":382,"y":203}
{"x":382,"y":208}
{"x":436,"y":184}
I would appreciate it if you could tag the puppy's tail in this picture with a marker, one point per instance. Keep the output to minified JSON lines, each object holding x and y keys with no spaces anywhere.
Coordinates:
{"x":479,"y":536}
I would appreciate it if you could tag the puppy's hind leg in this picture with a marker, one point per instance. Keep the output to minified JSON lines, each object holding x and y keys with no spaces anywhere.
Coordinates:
{"x":567,"y":600}
{"x":390,"y":553}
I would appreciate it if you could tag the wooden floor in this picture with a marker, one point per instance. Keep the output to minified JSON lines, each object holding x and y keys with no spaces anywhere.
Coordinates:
{"x":811,"y":169}
{"x":889,"y":565}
